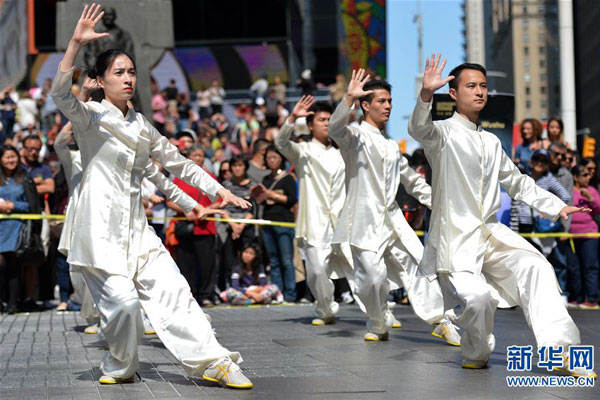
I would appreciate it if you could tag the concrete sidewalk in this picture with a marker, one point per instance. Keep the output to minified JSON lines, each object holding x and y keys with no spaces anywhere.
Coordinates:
{"x":47,"y":356}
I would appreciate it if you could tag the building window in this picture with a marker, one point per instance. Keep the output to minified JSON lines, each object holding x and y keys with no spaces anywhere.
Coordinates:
{"x":527,"y":90}
{"x":543,"y":90}
{"x":544,"y":103}
{"x":541,"y":9}
{"x":542,"y":49}
{"x":526,"y":51}
{"x":543,"y":77}
{"x":542,"y":37}
{"x":525,"y":38}
{"x":542,"y":64}
{"x":541,"y":23}
{"x":525,"y":23}
{"x":527,"y":77}
{"x":526,"y":65}
{"x":525,"y":10}
{"x":528,"y":104}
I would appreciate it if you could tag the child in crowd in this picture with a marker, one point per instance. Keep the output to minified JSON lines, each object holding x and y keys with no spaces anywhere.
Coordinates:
{"x":249,"y":281}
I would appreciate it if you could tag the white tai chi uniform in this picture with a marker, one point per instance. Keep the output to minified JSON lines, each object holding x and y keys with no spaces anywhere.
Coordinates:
{"x":123,"y":262}
{"x":468,"y":246}
{"x":373,"y":223}
{"x":320,"y":170}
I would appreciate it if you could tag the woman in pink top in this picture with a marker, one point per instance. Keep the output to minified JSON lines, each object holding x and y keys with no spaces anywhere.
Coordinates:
{"x":586,"y":249}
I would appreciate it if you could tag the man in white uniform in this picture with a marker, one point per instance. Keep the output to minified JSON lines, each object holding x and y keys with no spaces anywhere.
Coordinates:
{"x":467,"y":245}
{"x":320,"y":170}
{"x":382,"y":243}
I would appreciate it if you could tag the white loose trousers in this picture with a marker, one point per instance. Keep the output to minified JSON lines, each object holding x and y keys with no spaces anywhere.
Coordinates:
{"x":165,"y":296}
{"x":394,"y":262}
{"x":317,"y":277}
{"x":534,"y":282}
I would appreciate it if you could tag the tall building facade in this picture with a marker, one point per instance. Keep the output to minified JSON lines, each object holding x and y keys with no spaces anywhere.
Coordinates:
{"x":521,"y":53}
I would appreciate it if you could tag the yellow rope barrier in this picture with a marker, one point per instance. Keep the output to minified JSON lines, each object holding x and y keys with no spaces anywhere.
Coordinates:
{"x":266,"y":222}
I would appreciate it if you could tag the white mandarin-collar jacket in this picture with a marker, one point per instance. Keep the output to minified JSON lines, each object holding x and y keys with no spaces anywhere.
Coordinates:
{"x":469,"y":166}
{"x":374,"y":170}
{"x":320,"y":171}
{"x":110,"y":230}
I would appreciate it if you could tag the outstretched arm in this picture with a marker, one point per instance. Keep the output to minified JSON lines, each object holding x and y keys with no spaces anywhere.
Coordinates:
{"x":288,"y":148}
{"x":420,"y":125}
{"x":84,"y":33}
{"x":338,"y":124}
{"x":522,"y":187}
{"x":76,"y":111}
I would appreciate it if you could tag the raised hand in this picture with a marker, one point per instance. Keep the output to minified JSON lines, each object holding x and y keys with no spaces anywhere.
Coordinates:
{"x":568,"y":210}
{"x":355,"y":87}
{"x":301,"y":108}
{"x":432,"y":77}
{"x":84,"y":31}
{"x":87,"y":87}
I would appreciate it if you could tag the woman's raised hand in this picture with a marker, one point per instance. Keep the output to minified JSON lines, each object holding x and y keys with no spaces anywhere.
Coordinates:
{"x":84,"y":31}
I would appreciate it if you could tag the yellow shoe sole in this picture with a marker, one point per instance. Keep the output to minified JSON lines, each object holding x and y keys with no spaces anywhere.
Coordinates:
{"x":152,"y":332}
{"x":231,"y":385}
{"x":109,"y":380}
{"x":318,"y":323}
{"x":90,"y":332}
{"x":441,"y":337}
{"x":473,"y":366}
{"x":397,"y":325}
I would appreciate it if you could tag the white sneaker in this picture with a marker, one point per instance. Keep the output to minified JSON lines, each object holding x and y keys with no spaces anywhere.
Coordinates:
{"x":577,"y":372}
{"x":448,"y":331}
{"x":323,"y":321}
{"x":391,"y":305}
{"x":396,"y":324}
{"x":226,"y":372}
{"x":376,"y":337}
{"x":92,"y":329}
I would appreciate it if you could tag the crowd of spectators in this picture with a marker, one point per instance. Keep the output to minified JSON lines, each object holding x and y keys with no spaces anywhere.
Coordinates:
{"x":236,"y":262}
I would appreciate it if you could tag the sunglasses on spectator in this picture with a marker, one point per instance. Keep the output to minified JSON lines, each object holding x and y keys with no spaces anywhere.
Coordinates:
{"x":562,"y":156}
{"x":569,"y":159}
{"x":585,"y":175}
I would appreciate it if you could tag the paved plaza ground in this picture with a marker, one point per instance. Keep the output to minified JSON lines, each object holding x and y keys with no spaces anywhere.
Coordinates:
{"x":47,"y":356}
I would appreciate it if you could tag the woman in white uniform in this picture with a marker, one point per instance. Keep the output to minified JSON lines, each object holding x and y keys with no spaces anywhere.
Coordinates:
{"x":122,"y":260}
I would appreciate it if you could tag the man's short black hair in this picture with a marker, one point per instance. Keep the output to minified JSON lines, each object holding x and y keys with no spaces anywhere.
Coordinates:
{"x":372,"y":85}
{"x":31,"y":137}
{"x":458,"y":70}
{"x":319,"y":106}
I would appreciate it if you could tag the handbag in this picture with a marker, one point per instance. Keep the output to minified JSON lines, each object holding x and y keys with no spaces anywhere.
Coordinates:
{"x":29,"y":250}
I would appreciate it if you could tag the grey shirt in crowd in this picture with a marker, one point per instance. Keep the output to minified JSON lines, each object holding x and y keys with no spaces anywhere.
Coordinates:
{"x":565,"y":178}
{"x":256,"y":174}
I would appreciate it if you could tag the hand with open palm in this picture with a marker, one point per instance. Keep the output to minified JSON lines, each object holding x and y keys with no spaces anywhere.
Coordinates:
{"x":355,"y":87}
{"x":301,"y":108}
{"x":84,"y":33}
{"x":432,"y":77}
{"x":85,"y":29}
